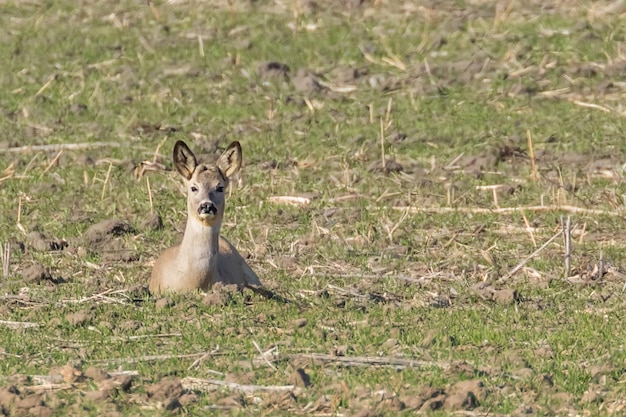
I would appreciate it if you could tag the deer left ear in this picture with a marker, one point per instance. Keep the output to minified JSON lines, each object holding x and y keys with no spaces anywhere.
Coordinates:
{"x":230,"y":161}
{"x":184,"y":160}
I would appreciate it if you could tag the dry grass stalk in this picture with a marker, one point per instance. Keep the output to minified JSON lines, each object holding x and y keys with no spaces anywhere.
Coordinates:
{"x":263,"y":354}
{"x":5,"y":257}
{"x":54,"y":161}
{"x":103,"y":297}
{"x":60,"y":146}
{"x":200,"y":46}
{"x":209,"y":385}
{"x":529,"y":230}
{"x":503,"y":210}
{"x":154,"y":358}
{"x":154,"y":10}
{"x":592,"y":106}
{"x":387,"y":361}
{"x":203,"y":357}
{"x":7,"y":173}
{"x":309,"y":104}
{"x":391,"y":231}
{"x":567,"y":237}
{"x":289,"y":199}
{"x":528,"y":258}
{"x":14,"y":325}
{"x":388,"y":112}
{"x":106,"y":181}
{"x":382,"y":143}
{"x":46,"y":85}
{"x":531,"y":153}
{"x":149,"y":195}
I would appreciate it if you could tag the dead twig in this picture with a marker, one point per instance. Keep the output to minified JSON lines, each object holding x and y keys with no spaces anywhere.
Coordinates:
{"x":263,"y":354}
{"x":289,"y":199}
{"x":388,"y":361}
{"x":203,"y":357}
{"x":153,"y":358}
{"x":14,"y":325}
{"x":208,"y":385}
{"x":528,"y":258}
{"x":506,"y":210}
{"x":531,"y":153}
{"x":102,"y":297}
{"x":567,"y":237}
{"x":61,"y":146}
{"x":5,"y":257}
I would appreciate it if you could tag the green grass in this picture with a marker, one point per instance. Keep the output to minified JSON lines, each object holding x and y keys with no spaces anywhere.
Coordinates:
{"x":360,"y":272}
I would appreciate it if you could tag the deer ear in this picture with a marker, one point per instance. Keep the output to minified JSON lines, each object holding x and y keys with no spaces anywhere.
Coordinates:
{"x":184,"y":160}
{"x":230,"y":161}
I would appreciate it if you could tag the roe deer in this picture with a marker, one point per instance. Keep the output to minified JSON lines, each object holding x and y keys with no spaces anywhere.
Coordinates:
{"x":203,"y":257}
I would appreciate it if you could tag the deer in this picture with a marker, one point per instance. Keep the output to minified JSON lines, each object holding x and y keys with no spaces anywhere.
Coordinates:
{"x":204,"y":257}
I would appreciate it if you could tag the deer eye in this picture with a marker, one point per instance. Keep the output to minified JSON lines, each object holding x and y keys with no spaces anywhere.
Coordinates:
{"x":194,"y":189}
{"x":220,"y":189}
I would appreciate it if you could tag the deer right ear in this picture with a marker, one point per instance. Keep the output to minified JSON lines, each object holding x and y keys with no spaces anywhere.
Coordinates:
{"x":184,"y":160}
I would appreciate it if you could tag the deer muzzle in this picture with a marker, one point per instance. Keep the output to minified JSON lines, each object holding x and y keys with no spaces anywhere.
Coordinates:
{"x":207,"y":209}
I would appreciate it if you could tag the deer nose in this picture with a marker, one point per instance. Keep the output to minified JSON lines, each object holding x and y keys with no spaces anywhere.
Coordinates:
{"x":207,"y":208}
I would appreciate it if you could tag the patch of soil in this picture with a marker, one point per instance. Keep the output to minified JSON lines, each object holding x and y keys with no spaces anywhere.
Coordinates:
{"x":36,"y":273}
{"x":300,"y":378}
{"x":152,"y":222}
{"x":104,"y":238}
{"x":220,"y":294}
{"x":501,"y":296}
{"x":37,"y":241}
{"x":306,"y":82}
{"x":79,"y":318}
{"x":168,"y":392}
{"x":99,"y":233}
{"x":268,"y":71}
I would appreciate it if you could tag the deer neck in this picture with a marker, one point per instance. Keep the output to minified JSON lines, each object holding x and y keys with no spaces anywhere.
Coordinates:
{"x":200,"y":246}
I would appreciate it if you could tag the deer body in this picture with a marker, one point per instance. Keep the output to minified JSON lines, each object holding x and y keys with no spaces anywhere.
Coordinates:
{"x":204,"y":257}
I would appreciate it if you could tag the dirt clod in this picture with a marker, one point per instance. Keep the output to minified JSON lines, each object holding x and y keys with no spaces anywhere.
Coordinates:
{"x":40,"y":411}
{"x":36,"y":274}
{"x":272,"y":70}
{"x":505,"y":296}
{"x":69,"y":373}
{"x":38,"y":242}
{"x":96,"y":374}
{"x":8,"y":396}
{"x":100,"y":232}
{"x":163,"y":303}
{"x":152,"y":222}
{"x":168,"y":391}
{"x":305,"y":82}
{"x":29,"y":402}
{"x":300,"y":378}
{"x":78,"y":318}
{"x":298,"y":323}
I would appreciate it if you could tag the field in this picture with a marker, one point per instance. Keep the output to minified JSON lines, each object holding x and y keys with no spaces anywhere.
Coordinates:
{"x":435,"y":188}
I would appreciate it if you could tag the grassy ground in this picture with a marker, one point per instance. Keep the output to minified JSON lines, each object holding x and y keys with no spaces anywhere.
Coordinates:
{"x":407,"y":128}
